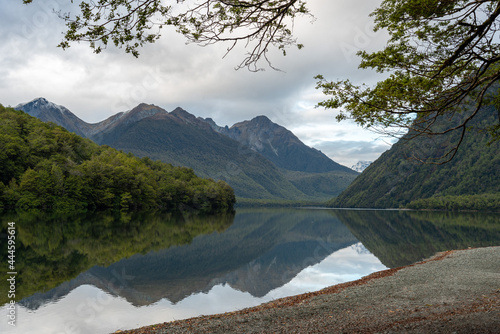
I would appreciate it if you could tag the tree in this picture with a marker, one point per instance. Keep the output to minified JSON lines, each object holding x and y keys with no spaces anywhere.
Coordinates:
{"x":133,"y":23}
{"x":441,"y":62}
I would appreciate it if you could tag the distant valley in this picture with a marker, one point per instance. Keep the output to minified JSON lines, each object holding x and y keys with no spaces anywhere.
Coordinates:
{"x":258,"y":158}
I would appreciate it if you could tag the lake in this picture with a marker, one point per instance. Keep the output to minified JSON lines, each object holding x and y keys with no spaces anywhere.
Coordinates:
{"x":97,"y":273}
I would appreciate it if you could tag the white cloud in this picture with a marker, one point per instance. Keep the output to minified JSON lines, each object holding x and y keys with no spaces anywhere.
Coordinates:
{"x":348,"y":152}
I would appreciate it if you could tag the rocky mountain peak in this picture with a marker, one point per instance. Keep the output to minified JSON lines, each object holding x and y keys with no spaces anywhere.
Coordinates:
{"x":181,"y":113}
{"x":263,"y":123}
{"x":48,"y":111}
{"x":143,"y":110}
{"x":281,"y":146}
{"x":40,"y":106}
{"x":223,"y":130}
{"x":39,"y":101}
{"x":187,"y":118}
{"x":262,"y":120}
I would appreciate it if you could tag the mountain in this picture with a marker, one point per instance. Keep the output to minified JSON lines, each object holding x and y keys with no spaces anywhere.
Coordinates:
{"x":44,"y":166}
{"x":360,"y":166}
{"x":279,"y":145}
{"x":183,"y":139}
{"x":309,"y":170}
{"x":394,"y":180}
{"x":50,"y":112}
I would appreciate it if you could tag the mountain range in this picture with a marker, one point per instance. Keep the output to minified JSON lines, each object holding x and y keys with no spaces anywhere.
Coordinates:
{"x":257,"y":158}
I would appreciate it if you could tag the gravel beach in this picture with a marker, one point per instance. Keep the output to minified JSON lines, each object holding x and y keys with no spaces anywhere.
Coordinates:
{"x":453,"y":292}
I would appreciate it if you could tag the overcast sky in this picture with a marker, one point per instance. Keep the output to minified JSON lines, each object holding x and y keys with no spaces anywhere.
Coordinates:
{"x":170,"y":73}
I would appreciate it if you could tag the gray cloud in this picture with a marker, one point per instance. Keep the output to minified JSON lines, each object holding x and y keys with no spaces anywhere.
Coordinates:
{"x":170,"y":73}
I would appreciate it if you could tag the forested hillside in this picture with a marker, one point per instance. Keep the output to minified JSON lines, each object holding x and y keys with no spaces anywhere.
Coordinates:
{"x":182,"y":140}
{"x":44,"y":166}
{"x":471,"y":180}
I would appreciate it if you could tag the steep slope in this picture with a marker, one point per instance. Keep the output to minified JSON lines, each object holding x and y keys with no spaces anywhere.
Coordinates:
{"x":50,"y":112}
{"x":393,"y":180}
{"x":181,"y":139}
{"x":280,"y":146}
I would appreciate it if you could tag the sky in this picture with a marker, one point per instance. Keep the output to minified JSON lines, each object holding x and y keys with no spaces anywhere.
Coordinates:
{"x":171,"y":73}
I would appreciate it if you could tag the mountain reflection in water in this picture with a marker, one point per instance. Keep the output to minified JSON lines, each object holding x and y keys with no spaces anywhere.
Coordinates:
{"x":260,"y":251}
{"x":137,"y":269}
{"x":401,"y":237}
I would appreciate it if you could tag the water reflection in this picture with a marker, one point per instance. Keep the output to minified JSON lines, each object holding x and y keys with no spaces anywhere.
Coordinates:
{"x":260,"y":251}
{"x":400,"y":238}
{"x":88,"y":309}
{"x":52,"y":249}
{"x":96,"y":274}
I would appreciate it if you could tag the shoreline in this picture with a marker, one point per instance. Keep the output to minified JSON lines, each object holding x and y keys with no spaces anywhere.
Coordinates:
{"x":455,"y":291}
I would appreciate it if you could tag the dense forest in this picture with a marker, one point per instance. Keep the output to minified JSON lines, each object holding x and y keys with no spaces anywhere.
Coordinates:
{"x":470,"y":181}
{"x":44,"y":166}
{"x":482,"y":202}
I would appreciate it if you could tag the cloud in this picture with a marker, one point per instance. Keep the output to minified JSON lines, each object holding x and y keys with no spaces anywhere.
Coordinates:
{"x":170,"y":73}
{"x":349,"y":152}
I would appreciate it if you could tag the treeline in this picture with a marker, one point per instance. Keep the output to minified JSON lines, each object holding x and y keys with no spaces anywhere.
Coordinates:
{"x":483,"y":202}
{"x":274,"y":203}
{"x":46,"y":167}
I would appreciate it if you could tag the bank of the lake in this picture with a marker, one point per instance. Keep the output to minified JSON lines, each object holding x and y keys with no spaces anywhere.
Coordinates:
{"x":453,"y":292}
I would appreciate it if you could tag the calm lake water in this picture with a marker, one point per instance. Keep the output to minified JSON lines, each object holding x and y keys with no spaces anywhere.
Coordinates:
{"x":102,"y":272}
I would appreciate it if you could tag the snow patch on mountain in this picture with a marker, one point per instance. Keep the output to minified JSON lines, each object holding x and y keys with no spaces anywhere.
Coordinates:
{"x":39,"y":105}
{"x":360,"y":166}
